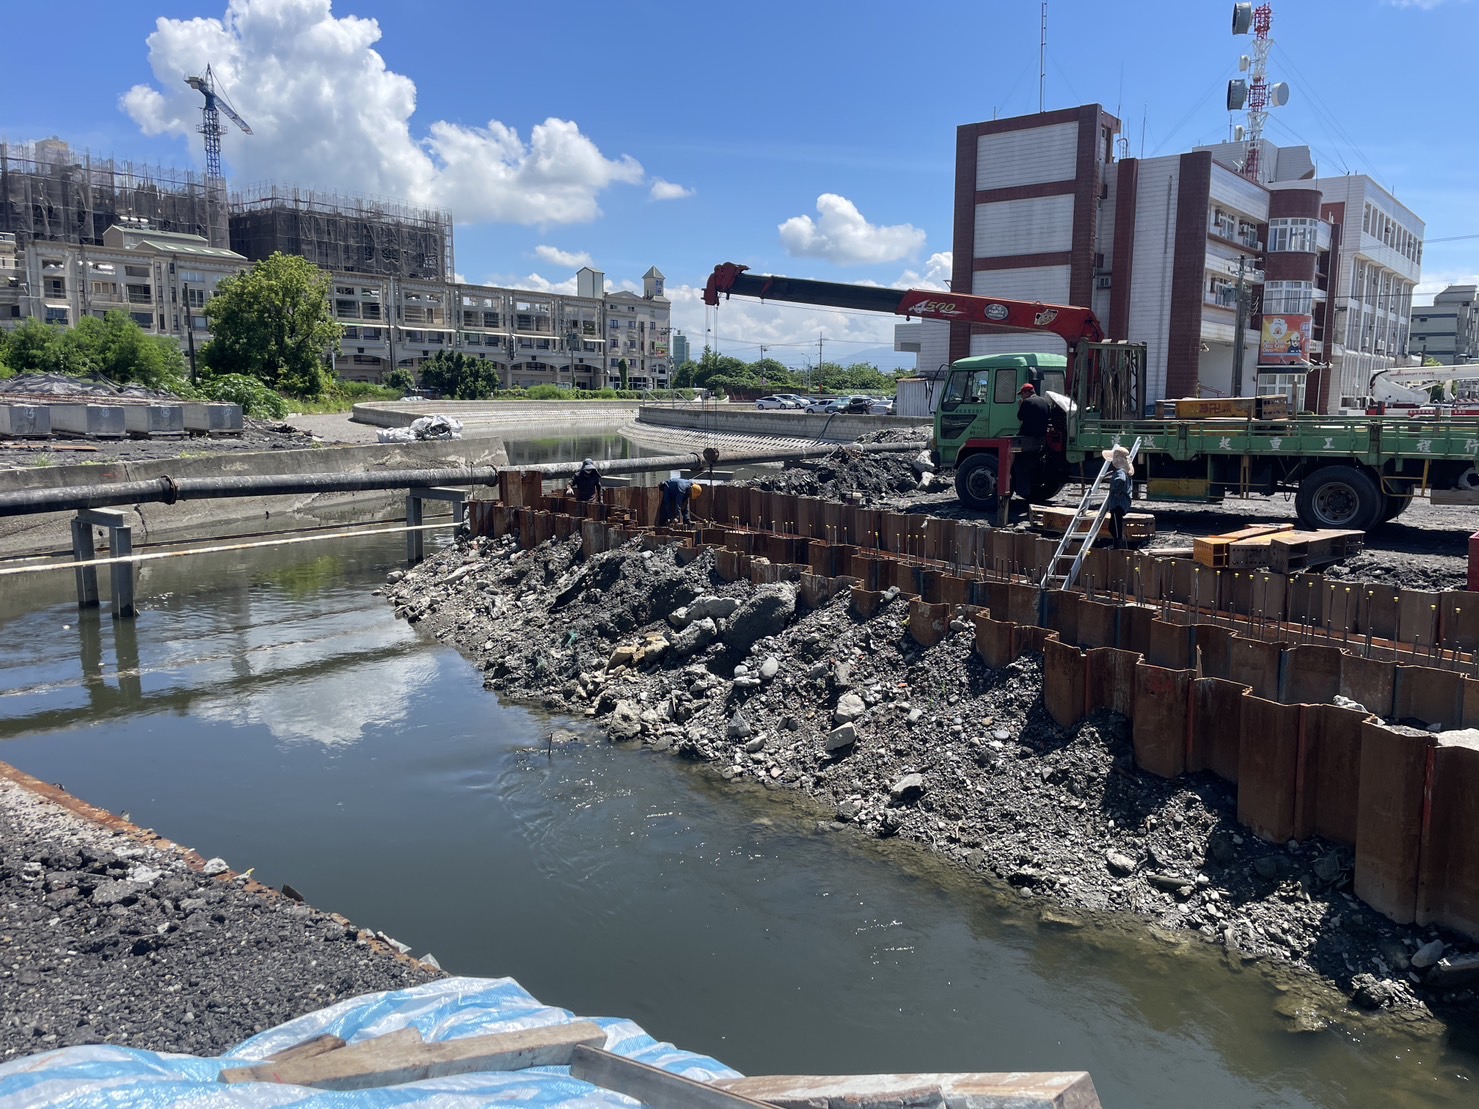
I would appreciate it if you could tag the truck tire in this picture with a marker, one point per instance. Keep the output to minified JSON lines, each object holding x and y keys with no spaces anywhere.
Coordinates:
{"x":975,"y":483}
{"x":1394,"y":507}
{"x":1343,"y":497}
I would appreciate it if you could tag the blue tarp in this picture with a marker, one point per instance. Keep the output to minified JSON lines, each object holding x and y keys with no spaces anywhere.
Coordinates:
{"x":102,"y":1077}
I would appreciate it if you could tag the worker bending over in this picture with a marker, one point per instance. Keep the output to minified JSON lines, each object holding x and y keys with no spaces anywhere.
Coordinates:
{"x":677,"y":493}
{"x":586,"y":483}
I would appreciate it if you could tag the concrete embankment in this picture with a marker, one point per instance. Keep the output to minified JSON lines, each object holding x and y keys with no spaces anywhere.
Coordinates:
{"x":530,"y":418}
{"x":727,"y":419}
{"x":115,"y":935}
{"x":189,"y":520}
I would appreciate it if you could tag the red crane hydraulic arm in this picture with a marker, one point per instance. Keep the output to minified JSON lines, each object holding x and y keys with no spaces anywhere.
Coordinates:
{"x":1073,"y":324}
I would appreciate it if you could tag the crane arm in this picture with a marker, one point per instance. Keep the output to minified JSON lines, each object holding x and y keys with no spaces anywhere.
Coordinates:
{"x":222,"y":103}
{"x":1073,"y":324}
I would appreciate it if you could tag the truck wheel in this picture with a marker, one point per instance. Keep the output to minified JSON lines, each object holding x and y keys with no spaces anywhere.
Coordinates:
{"x":975,"y":483}
{"x":1342,"y":497}
{"x":1395,"y":506}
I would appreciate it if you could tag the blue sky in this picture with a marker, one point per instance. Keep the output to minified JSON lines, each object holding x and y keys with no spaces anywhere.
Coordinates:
{"x":805,"y":138}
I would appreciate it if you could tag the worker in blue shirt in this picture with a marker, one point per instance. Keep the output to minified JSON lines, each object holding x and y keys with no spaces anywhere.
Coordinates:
{"x":677,"y":494}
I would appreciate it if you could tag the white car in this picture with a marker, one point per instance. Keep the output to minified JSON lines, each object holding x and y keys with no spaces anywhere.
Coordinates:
{"x":823,"y":406}
{"x":772,"y":402}
{"x":881,"y":407}
{"x":793,"y":401}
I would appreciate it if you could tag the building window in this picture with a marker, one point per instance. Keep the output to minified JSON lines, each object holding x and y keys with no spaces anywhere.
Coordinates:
{"x":56,"y":315}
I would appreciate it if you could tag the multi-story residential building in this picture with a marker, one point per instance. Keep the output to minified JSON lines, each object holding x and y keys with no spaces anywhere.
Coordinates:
{"x":161,"y":279}
{"x":1164,"y":248}
{"x":638,"y":331}
{"x":1448,"y":329}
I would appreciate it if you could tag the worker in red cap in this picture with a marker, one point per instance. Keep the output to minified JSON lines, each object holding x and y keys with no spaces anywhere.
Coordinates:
{"x":1035,"y":414}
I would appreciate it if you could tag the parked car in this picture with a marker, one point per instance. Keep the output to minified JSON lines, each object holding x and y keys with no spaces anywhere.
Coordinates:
{"x":882,"y":406}
{"x":793,"y":400}
{"x":772,"y":402}
{"x":856,"y":405}
{"x":822,"y":405}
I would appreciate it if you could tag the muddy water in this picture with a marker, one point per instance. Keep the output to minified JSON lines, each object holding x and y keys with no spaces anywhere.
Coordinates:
{"x":265,"y":708}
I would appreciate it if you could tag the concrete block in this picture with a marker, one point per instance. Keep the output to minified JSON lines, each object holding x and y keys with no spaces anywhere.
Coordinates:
{"x":1217,"y":728}
{"x":1448,"y":881}
{"x":1329,"y":780}
{"x":1432,"y":696}
{"x":1268,"y":760}
{"x":1163,"y":717}
{"x":1110,"y":680}
{"x":154,"y":420}
{"x":1063,"y":682}
{"x":25,"y":421}
{"x":1309,"y":675}
{"x":213,"y":419}
{"x":1389,"y":819}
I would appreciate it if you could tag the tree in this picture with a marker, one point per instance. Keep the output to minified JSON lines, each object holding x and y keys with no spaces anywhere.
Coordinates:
{"x":400,"y":378}
{"x":274,"y":323}
{"x":621,"y":368}
{"x":458,"y":377}
{"x":114,"y":347}
{"x":684,"y":376}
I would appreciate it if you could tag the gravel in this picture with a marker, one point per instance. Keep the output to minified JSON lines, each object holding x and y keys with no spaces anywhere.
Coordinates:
{"x":105,"y":938}
{"x":896,"y":740}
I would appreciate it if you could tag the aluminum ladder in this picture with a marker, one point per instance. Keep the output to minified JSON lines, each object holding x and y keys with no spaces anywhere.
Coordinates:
{"x":1053,"y":578}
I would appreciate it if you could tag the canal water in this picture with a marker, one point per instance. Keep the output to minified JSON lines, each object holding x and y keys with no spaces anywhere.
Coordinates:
{"x":265,"y":707}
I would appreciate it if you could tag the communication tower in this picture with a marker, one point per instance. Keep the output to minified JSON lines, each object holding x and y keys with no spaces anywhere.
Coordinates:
{"x":1254,"y":92}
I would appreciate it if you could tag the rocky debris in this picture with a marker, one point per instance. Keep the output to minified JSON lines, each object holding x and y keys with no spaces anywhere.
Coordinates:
{"x":923,"y":744}
{"x":847,"y":474}
{"x":106,"y":940}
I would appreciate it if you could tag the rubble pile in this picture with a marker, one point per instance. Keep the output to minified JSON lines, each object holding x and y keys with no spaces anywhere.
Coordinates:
{"x":924,"y":744}
{"x":848,"y":474}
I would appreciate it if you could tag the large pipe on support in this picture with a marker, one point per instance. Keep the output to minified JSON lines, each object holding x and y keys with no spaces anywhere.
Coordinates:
{"x":168,"y":490}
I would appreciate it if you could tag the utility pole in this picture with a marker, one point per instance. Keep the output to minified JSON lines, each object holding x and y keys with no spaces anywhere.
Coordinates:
{"x":1238,"y":329}
{"x":763,"y":379}
{"x":819,"y":353}
{"x":190,"y":332}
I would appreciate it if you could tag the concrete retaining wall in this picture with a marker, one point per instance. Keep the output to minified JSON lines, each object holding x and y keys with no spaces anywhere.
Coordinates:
{"x":724,"y":419}
{"x":509,"y":413}
{"x":1407,"y":803}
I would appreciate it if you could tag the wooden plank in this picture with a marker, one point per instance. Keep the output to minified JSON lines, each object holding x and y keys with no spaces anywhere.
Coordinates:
{"x":1012,"y":1090}
{"x":400,"y":1057}
{"x":1213,"y":550}
{"x":653,"y":1087}
{"x":318,"y":1045}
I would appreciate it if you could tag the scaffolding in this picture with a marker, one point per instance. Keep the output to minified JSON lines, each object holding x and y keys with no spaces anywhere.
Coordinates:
{"x":346,"y":234}
{"x":51,"y":193}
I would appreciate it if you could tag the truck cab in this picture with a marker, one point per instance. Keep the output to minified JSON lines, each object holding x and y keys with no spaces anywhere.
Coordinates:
{"x":976,"y":422}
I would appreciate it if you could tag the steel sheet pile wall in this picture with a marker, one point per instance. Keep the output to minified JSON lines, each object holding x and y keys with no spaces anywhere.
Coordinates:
{"x":1204,"y":686}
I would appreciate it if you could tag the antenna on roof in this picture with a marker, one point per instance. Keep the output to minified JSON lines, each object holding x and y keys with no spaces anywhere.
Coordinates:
{"x":1256,"y":93}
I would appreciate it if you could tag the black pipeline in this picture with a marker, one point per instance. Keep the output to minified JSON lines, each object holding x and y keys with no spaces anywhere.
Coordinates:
{"x":168,"y":490}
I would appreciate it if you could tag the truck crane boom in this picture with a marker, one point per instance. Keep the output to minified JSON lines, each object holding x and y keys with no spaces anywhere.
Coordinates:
{"x":1073,"y":324}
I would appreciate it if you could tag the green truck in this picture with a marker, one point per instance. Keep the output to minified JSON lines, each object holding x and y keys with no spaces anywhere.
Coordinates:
{"x":1347,"y":472}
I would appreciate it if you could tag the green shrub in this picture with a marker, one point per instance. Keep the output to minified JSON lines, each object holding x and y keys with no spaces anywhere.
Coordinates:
{"x":254,"y":397}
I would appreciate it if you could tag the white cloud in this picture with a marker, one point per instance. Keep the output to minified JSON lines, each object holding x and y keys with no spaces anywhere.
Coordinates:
{"x":1431,"y":283}
{"x":1424,"y":5}
{"x":667,"y":190}
{"x":936,"y":273}
{"x":789,"y":333}
{"x":574,"y":259}
{"x":842,"y":235}
{"x":325,"y":111}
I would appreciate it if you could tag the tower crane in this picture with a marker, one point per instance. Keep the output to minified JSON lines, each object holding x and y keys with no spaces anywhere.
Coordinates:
{"x":210,"y":119}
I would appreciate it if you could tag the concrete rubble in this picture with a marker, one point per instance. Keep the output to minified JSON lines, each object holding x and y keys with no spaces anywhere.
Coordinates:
{"x":923,"y":744}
